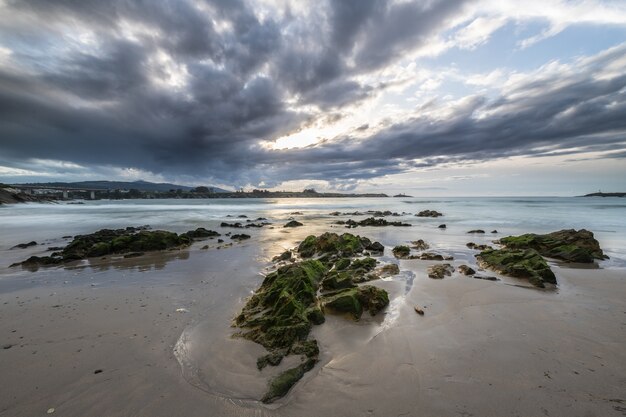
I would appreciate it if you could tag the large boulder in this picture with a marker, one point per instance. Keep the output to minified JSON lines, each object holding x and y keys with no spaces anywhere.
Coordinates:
{"x":518,"y":263}
{"x":568,"y":245}
{"x":340,"y":245}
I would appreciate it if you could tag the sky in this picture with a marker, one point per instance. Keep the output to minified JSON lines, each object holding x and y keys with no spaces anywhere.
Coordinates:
{"x":429,"y":98}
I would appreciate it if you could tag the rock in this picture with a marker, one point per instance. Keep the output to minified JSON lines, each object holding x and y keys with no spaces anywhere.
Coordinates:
{"x":401,"y":251}
{"x":220,"y":240}
{"x":296,"y":213}
{"x":479,"y":231}
{"x":205,"y":247}
{"x":420,"y":245}
{"x":486,"y":278}
{"x":567,"y":245}
{"x":442,"y":226}
{"x":55,"y":248}
{"x":418,"y":310}
{"x":466,"y":270}
{"x":281,"y":384}
{"x":281,"y":313}
{"x":107,"y":241}
{"x":285,"y":256}
{"x":339,"y":245}
{"x":133,"y":255}
{"x":389,"y":270}
{"x":431,"y":256}
{"x":200,"y":233}
{"x":473,"y":245}
{"x":440,"y":271}
{"x":233,"y":225}
{"x":240,"y":237}
{"x":273,"y":359}
{"x":356,"y":300}
{"x":518,"y":263}
{"x":24,"y":245}
{"x":242,"y":216}
{"x":293,"y":223}
{"x":371,"y":221}
{"x":429,"y":213}
{"x":494,"y":231}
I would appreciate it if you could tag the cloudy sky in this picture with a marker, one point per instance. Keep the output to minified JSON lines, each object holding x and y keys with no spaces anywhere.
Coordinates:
{"x":429,"y":97}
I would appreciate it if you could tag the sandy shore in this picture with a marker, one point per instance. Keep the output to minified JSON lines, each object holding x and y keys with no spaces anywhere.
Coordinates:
{"x":482,"y":348}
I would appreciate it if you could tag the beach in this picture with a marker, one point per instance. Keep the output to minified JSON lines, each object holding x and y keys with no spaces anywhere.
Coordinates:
{"x":152,"y":336}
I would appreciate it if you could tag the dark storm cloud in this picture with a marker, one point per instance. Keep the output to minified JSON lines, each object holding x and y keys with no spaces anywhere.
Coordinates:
{"x":193,"y":88}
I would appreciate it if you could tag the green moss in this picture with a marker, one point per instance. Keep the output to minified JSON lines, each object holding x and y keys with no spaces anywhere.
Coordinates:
{"x":518,"y":263}
{"x":568,"y":245}
{"x":355,"y":300}
{"x":99,"y":249}
{"x":281,"y":384}
{"x":342,"y":263}
{"x":401,"y":251}
{"x":344,"y":245}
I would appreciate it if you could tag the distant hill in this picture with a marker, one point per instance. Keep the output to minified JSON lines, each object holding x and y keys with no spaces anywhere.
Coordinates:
{"x":120,"y":185}
{"x":601,"y":194}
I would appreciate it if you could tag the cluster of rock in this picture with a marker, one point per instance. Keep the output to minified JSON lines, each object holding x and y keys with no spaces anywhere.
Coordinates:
{"x":522,"y":256}
{"x":429,"y":213}
{"x":293,"y":298}
{"x":108,"y":241}
{"x":404,"y":252}
{"x":370,"y":221}
{"x":238,"y":225}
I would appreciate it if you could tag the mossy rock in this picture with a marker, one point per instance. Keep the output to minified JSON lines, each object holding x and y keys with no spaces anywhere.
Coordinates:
{"x":355,"y":300}
{"x":567,"y":245}
{"x":401,"y":251}
{"x":343,"y":245}
{"x":119,"y":241}
{"x":201,"y":233}
{"x":280,"y":385}
{"x":518,"y":263}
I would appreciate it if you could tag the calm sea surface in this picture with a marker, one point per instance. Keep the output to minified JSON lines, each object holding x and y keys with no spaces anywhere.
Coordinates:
{"x":606,"y":217}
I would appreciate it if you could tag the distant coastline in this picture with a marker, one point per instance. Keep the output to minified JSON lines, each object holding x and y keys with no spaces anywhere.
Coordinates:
{"x":49,"y":192}
{"x":601,"y":194}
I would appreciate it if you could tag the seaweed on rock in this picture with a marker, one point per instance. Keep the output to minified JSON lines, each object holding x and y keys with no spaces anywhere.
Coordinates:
{"x":293,"y":298}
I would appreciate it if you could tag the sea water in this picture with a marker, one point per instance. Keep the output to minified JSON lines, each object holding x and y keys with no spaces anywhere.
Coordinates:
{"x":605,"y":217}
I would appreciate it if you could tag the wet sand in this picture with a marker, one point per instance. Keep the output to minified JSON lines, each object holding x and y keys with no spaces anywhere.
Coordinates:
{"x":482,"y":348}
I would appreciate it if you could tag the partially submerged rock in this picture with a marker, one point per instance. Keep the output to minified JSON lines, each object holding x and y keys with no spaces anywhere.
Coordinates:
{"x":432,"y":256}
{"x":466,"y":270}
{"x":240,"y":237}
{"x":518,"y":263}
{"x":24,"y":245}
{"x":568,"y":245}
{"x":442,"y":226}
{"x":439,"y":271}
{"x":401,"y":251}
{"x":429,"y":213}
{"x":476,"y":231}
{"x":200,"y":233}
{"x":420,"y":245}
{"x":371,"y":221}
{"x":294,"y":223}
{"x":476,"y":246}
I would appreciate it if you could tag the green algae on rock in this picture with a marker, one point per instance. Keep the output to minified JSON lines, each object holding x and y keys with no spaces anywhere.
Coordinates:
{"x":107,"y":242}
{"x":401,"y":251}
{"x":281,"y":313}
{"x":333,"y":244}
{"x":567,"y":245}
{"x":356,"y":300}
{"x":518,"y":263}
